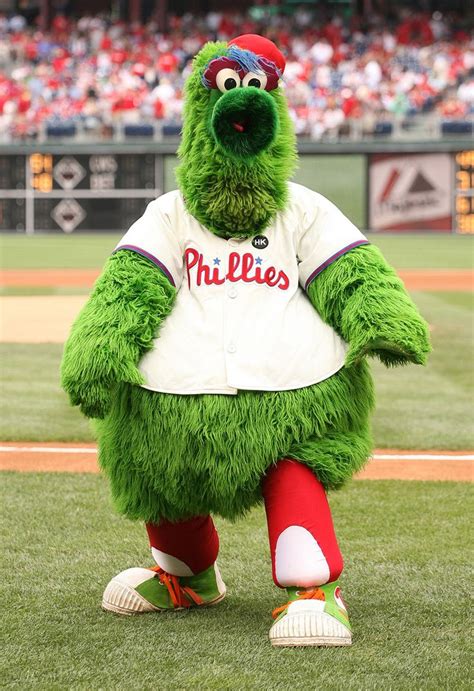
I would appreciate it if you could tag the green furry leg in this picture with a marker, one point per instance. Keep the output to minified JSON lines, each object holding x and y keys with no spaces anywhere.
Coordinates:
{"x":335,"y":457}
{"x":170,"y":456}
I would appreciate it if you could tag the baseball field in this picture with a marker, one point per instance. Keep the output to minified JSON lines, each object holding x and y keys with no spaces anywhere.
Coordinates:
{"x":403,"y":525}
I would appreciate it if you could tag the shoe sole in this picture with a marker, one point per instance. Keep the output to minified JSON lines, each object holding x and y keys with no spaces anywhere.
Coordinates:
{"x":124,"y":600}
{"x":316,"y":629}
{"x":314,"y":642}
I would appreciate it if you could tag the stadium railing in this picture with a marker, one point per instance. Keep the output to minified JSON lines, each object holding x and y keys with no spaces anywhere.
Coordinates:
{"x":408,"y":128}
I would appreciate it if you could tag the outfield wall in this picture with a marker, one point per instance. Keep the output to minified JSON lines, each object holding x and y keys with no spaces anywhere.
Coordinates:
{"x":381,"y":186}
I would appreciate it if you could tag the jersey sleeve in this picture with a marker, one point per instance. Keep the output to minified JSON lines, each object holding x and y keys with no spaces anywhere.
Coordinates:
{"x":327,"y":234}
{"x":154,"y":237}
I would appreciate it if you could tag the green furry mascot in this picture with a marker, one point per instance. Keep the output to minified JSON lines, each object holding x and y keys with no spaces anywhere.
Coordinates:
{"x":223,"y":352}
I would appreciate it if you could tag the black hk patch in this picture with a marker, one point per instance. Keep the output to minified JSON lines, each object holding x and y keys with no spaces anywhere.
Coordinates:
{"x":260,"y":242}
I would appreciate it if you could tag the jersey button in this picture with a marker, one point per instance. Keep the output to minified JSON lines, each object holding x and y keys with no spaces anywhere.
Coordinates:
{"x":231,"y":348}
{"x":232,"y":292}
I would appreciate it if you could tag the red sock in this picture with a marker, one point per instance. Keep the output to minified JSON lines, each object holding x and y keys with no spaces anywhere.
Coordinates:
{"x":187,"y":547}
{"x":303,"y":544}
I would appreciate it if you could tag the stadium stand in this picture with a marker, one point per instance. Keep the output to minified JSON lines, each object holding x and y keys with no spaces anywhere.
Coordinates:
{"x":362,"y":78}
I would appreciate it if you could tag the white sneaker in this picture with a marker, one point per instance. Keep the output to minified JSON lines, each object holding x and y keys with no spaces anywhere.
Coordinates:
{"x":312,"y":617}
{"x":138,"y":590}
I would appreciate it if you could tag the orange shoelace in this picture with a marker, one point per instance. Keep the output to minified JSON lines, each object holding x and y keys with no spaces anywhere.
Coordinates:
{"x":181,"y":595}
{"x":312,"y":594}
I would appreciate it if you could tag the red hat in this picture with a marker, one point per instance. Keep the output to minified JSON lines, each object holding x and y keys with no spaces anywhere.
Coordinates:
{"x":262,"y":47}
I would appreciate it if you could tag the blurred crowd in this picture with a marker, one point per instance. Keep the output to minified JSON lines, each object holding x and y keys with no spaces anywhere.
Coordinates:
{"x":101,"y":73}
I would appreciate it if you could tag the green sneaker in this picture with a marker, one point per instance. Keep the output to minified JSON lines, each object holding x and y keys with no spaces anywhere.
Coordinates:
{"x":313,"y":616}
{"x":137,"y":590}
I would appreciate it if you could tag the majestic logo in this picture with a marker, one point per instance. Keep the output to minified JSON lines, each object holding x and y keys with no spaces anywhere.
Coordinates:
{"x":242,"y":267}
{"x":411,"y":191}
{"x":406,"y":189}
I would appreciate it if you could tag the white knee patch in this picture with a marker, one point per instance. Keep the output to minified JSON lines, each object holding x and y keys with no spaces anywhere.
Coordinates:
{"x":299,"y":559}
{"x":170,"y":564}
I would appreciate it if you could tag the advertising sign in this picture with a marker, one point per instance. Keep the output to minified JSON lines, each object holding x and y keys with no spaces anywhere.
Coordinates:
{"x":411,"y":192}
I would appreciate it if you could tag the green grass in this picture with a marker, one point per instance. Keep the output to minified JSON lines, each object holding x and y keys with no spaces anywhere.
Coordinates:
{"x":32,"y":405}
{"x":419,"y":251}
{"x":417,"y":407}
{"x":90,"y":251}
{"x":428,"y":407}
{"x":341,"y":178}
{"x":43,"y":290}
{"x":86,"y":251}
{"x":406,"y":584}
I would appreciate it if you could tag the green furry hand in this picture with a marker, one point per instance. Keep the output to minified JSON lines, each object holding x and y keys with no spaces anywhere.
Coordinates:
{"x":383,"y":321}
{"x":361,"y":296}
{"x":389,"y":353}
{"x":114,"y":329}
{"x":94,"y":398}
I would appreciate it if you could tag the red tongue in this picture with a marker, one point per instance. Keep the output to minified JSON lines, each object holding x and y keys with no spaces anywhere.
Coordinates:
{"x":238,"y":126}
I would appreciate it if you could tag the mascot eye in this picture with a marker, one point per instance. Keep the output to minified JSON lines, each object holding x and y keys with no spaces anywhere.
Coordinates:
{"x":227,"y":79}
{"x":259,"y":81}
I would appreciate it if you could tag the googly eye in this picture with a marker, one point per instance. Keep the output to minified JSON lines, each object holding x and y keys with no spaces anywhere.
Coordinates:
{"x":227,"y":79}
{"x":259,"y":81}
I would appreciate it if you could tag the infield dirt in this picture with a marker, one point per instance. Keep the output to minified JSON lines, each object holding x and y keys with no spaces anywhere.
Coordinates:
{"x":386,"y":464}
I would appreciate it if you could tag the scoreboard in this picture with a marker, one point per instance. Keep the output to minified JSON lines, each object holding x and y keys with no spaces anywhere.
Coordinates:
{"x":107,"y":187}
{"x":464,"y":192}
{"x":83,"y":192}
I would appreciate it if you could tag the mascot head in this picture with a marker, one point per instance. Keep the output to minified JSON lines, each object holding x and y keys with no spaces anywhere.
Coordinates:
{"x":238,"y":146}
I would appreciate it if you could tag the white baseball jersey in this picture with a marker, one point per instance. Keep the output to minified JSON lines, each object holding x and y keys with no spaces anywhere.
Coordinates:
{"x":242,"y":319}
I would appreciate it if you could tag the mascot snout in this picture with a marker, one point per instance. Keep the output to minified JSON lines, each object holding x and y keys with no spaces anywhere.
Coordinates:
{"x":244,"y":121}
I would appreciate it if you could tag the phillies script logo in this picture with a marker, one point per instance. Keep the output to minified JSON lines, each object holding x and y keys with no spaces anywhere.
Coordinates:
{"x":243,"y":267}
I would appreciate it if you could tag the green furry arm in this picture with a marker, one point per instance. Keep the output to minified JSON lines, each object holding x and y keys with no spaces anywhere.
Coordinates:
{"x":118,"y":323}
{"x":361,"y":296}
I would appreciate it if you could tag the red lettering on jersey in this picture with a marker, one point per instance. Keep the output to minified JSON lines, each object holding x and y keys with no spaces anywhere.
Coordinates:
{"x":204,"y":273}
{"x":284,"y":281}
{"x":241,"y":268}
{"x":216,"y":280}
{"x":234,"y":262}
{"x":269,"y":277}
{"x":247,"y":264}
{"x":191,"y":258}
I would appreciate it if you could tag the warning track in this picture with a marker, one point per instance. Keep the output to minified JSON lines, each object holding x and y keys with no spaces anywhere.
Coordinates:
{"x":386,"y":464}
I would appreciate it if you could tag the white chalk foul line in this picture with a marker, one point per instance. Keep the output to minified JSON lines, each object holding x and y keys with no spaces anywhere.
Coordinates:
{"x":375,"y":457}
{"x":422,"y":457}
